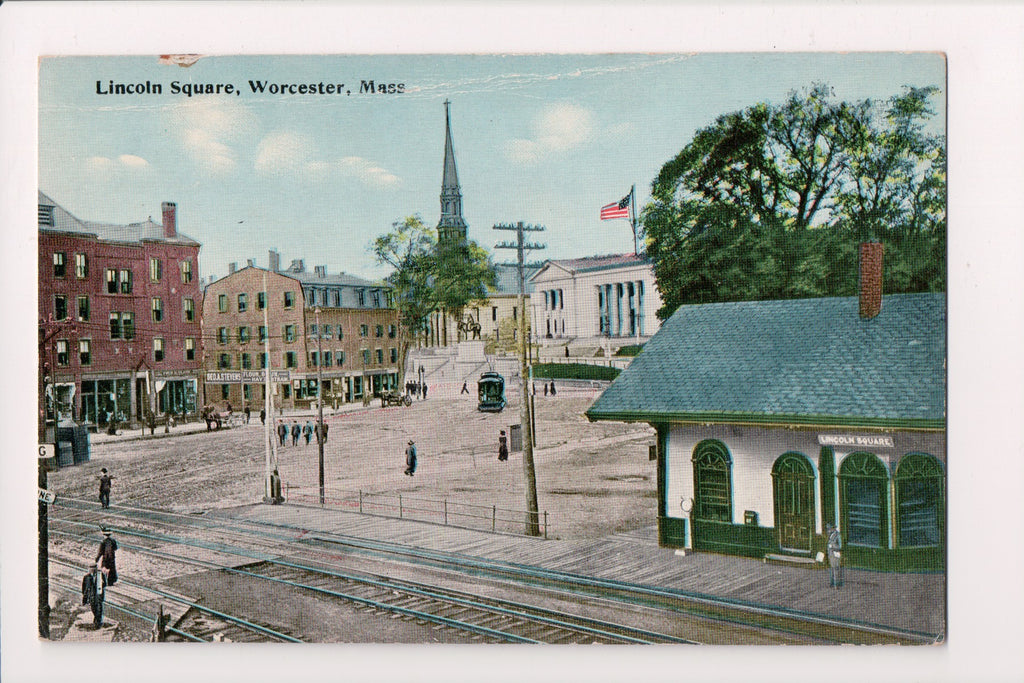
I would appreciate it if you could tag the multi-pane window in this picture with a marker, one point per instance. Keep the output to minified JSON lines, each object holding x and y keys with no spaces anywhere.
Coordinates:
{"x":125,"y":278}
{"x":341,"y":333}
{"x":311,"y":297}
{"x":290,"y":360}
{"x":62,"y":352}
{"x":336,"y":298}
{"x":289,"y":299}
{"x":289,"y":333}
{"x":243,"y":303}
{"x":83,"y":309}
{"x":59,"y":263}
{"x":222,"y":335}
{"x":81,"y":266}
{"x":376,"y":299}
{"x":394,"y":355}
{"x":328,"y":331}
{"x":366,"y":356}
{"x":222,"y":303}
{"x":339,"y":357}
{"x":314,"y":358}
{"x":920,"y":501}
{"x":85,"y":351}
{"x":188,"y":308}
{"x":327,"y":359}
{"x":313,"y":331}
{"x":380,"y":356}
{"x":246,"y":361}
{"x":158,"y":349}
{"x":712,"y":476}
{"x":122,"y":325}
{"x":263,"y":361}
{"x":190,"y":348}
{"x":156,"y":270}
{"x":392,"y":331}
{"x":158,"y":309}
{"x":494,"y":313}
{"x":224,"y":361}
{"x":364,"y":330}
{"x":323,"y":297}
{"x":361,"y":297}
{"x":261,"y":300}
{"x":863,"y":493}
{"x":263,"y":333}
{"x":111,"y":276}
{"x":243,"y":335}
{"x":247,"y":392}
{"x":60,"y":306}
{"x":186,"y":272}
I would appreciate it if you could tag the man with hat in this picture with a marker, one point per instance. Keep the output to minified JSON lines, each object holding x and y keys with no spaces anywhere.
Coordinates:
{"x":502,"y":446}
{"x":835,"y":569}
{"x":106,"y":559}
{"x":105,"y":487}
{"x":410,"y":458}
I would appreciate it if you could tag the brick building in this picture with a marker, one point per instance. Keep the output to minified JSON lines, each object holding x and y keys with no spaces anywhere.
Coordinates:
{"x":133,"y":294}
{"x":354,"y":345}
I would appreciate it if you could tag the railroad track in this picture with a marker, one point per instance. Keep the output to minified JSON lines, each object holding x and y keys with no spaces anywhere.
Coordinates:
{"x":261,"y":541}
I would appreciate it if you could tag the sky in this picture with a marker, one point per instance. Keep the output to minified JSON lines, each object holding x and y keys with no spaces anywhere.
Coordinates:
{"x":545,"y":139}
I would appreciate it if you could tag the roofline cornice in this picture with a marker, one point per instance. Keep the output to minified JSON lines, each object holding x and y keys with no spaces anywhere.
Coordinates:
{"x":763,"y":420}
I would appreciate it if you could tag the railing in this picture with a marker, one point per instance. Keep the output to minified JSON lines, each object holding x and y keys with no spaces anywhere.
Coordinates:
{"x":447,"y":512}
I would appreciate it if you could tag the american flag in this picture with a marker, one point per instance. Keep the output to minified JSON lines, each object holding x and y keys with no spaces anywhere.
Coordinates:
{"x":619,"y":209}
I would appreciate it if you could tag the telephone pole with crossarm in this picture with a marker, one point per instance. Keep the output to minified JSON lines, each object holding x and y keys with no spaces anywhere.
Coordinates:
{"x":532,"y":508}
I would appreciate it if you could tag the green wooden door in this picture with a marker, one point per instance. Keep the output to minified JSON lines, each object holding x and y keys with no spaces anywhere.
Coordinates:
{"x":793,"y":484}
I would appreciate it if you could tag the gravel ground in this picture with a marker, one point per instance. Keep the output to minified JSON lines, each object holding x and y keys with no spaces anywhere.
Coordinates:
{"x":593,"y":479}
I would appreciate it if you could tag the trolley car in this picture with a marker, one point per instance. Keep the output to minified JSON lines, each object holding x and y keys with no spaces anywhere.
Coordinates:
{"x":491,"y":389}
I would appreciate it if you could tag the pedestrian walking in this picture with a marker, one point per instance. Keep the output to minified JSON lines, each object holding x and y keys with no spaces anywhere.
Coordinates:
{"x":553,"y":392}
{"x":295,"y":433}
{"x":410,"y":458}
{"x":263,"y":416}
{"x":106,"y":559}
{"x":545,"y":388}
{"x":307,"y":431}
{"x":502,"y":446}
{"x":323,"y":432}
{"x":835,"y":568}
{"x":424,"y":391}
{"x":282,"y":432}
{"x":248,"y":410}
{"x":105,"y":480}
{"x":465,"y":389}
{"x":94,"y":586}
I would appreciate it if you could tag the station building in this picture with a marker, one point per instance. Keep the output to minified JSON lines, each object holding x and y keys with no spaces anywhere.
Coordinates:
{"x":132,"y":293}
{"x":339,"y":325}
{"x":775,"y":419}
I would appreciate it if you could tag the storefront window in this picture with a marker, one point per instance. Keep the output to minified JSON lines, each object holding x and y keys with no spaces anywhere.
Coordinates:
{"x":863,"y":482}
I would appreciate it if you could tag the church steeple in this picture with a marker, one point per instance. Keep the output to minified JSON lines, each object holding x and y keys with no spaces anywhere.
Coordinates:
{"x":452,"y":226}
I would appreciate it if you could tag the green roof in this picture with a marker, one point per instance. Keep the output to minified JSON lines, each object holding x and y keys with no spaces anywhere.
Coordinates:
{"x":807,"y":361}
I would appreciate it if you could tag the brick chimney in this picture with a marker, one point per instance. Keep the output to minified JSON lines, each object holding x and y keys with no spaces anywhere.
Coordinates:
{"x":870,"y":279}
{"x":232,"y":267}
{"x":169,"y":210}
{"x":274,"y":261}
{"x":249,"y":263}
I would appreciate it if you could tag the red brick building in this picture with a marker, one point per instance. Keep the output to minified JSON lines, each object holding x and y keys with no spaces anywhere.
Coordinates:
{"x":354,"y":346}
{"x":132,"y":293}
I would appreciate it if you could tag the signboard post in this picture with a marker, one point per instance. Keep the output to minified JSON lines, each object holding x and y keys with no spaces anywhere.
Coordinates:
{"x":47,"y":497}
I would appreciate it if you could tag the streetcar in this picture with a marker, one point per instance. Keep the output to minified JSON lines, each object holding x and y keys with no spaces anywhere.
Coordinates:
{"x":491,"y":389}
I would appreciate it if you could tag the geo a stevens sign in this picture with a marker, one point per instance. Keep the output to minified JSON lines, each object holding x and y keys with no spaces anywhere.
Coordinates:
{"x":246,"y":377}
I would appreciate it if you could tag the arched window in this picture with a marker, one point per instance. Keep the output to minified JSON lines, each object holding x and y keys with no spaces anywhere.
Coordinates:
{"x":712,"y":482}
{"x":920,"y":501}
{"x":863,"y":500}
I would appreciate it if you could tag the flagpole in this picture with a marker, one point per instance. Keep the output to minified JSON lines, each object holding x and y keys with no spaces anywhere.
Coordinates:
{"x":632,"y":207}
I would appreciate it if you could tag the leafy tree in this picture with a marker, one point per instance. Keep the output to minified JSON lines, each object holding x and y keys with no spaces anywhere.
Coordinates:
{"x":462,"y":273}
{"x":771,"y":202}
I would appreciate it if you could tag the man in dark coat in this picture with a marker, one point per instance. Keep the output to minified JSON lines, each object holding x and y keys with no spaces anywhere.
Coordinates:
{"x":93,"y":591}
{"x":410,"y":458}
{"x":248,"y":411}
{"x":502,"y":446}
{"x":296,"y":430}
{"x":282,"y":432}
{"x":263,"y":416}
{"x":106,"y":558}
{"x":553,"y":392}
{"x":105,"y":487}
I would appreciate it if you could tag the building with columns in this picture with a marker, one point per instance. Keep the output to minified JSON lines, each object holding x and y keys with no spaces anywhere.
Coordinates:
{"x":596,"y":296}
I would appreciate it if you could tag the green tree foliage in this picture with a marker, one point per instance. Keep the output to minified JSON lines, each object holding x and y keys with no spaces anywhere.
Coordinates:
{"x":463,"y":272}
{"x":772,"y":201}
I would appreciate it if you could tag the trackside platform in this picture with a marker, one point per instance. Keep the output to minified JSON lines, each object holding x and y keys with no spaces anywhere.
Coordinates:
{"x":915,"y":602}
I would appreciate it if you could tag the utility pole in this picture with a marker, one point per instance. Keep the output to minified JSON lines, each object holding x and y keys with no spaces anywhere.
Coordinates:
{"x":268,"y":406}
{"x":320,"y":400}
{"x":530,"y":476}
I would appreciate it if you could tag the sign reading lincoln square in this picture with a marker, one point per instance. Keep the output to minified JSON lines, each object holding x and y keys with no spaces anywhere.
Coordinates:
{"x":515,"y":310}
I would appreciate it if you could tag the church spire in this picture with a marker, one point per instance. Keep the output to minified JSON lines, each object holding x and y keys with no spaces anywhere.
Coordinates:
{"x":452,"y":227}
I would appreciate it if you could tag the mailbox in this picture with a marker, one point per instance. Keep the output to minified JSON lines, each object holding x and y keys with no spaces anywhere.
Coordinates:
{"x":750,"y":517}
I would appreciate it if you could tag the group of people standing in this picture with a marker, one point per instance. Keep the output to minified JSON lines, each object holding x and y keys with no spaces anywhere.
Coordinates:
{"x":416,"y":389}
{"x":296,"y":430}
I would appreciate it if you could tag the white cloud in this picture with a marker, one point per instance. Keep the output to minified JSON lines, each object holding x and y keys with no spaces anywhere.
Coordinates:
{"x":558,"y":128}
{"x":209,"y":131}
{"x":98,"y":164}
{"x":133,"y":161}
{"x":286,"y":152}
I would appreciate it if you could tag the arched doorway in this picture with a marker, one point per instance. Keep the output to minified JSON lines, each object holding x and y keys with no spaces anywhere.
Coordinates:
{"x":793,"y":489}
